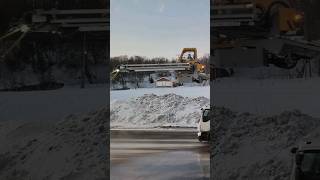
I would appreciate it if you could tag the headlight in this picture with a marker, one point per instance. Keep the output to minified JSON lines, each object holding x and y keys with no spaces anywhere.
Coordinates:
{"x":298,"y":18}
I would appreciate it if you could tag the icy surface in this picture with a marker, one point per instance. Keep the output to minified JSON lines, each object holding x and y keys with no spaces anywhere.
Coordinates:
{"x":250,"y":146}
{"x":153,"y":110}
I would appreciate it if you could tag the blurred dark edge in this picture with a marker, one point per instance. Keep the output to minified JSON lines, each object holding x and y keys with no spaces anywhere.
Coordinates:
{"x":11,"y":10}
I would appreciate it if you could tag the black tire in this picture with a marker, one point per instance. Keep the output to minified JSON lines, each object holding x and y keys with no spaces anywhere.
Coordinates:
{"x":204,"y":137}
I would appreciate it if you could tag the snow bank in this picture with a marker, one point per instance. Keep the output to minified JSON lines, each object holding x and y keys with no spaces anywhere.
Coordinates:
{"x":194,"y":91}
{"x":248,"y":146}
{"x":153,"y":110}
{"x":74,"y":148}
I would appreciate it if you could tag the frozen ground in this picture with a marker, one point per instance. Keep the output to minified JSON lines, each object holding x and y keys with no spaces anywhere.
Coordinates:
{"x":249,"y":146}
{"x":41,"y":138}
{"x":268,"y":96}
{"x":257,"y":122}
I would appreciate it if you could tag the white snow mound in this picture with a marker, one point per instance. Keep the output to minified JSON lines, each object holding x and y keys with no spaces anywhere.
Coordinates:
{"x":74,"y":148}
{"x":248,"y":146}
{"x":150,"y":111}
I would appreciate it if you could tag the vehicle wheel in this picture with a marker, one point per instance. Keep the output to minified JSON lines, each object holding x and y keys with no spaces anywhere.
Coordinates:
{"x":205,"y":137}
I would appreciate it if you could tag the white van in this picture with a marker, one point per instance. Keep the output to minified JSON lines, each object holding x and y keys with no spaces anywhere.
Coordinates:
{"x":306,"y":164}
{"x":204,"y":125}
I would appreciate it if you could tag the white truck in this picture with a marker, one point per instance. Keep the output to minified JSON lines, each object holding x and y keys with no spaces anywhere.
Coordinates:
{"x":306,"y":164}
{"x":204,"y":125}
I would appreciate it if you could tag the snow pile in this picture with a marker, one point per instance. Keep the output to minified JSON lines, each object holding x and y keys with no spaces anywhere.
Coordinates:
{"x":152,"y":110}
{"x":195,"y":91}
{"x":247,"y":146}
{"x":75,"y":148}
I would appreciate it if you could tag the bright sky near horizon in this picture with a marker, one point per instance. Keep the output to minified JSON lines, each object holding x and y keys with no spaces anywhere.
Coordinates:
{"x":159,"y":28}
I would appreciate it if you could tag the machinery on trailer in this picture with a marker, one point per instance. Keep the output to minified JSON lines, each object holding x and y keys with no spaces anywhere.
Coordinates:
{"x":306,"y":164}
{"x":197,"y":68}
{"x":58,"y":22}
{"x":71,"y":21}
{"x":276,"y":30}
{"x":257,"y":17}
{"x":188,"y":65}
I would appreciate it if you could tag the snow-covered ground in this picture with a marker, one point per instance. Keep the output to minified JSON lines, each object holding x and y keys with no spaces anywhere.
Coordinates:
{"x":51,"y":105}
{"x":249,"y":146}
{"x":72,"y":148}
{"x":261,"y":120}
{"x":57,"y":134}
{"x":268,"y":96}
{"x":40,"y":127}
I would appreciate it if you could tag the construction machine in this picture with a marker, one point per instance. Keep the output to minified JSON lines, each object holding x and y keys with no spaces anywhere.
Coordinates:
{"x":192,"y":59}
{"x":196,"y":67}
{"x":45,"y":19}
{"x":257,"y":17}
{"x":187,"y":64}
{"x":277,"y":29}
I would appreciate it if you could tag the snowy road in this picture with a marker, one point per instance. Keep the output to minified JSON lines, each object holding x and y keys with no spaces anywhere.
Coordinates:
{"x":170,"y":154}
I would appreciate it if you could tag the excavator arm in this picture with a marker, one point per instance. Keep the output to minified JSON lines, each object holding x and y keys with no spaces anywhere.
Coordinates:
{"x":188,"y":50}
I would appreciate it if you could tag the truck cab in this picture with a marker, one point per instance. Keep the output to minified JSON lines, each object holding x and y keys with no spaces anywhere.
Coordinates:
{"x":306,"y":164}
{"x":204,"y":125}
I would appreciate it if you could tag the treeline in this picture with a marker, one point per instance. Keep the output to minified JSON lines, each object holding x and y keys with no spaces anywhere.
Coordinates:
{"x":116,"y":61}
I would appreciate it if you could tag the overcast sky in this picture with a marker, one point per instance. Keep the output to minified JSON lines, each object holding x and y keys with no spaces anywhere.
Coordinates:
{"x":159,"y":28}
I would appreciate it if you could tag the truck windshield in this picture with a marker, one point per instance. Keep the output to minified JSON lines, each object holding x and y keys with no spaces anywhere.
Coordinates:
{"x":206,"y":115}
{"x":310,"y":165}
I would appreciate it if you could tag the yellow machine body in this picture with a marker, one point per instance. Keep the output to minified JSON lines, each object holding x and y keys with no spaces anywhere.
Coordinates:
{"x":192,"y":59}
